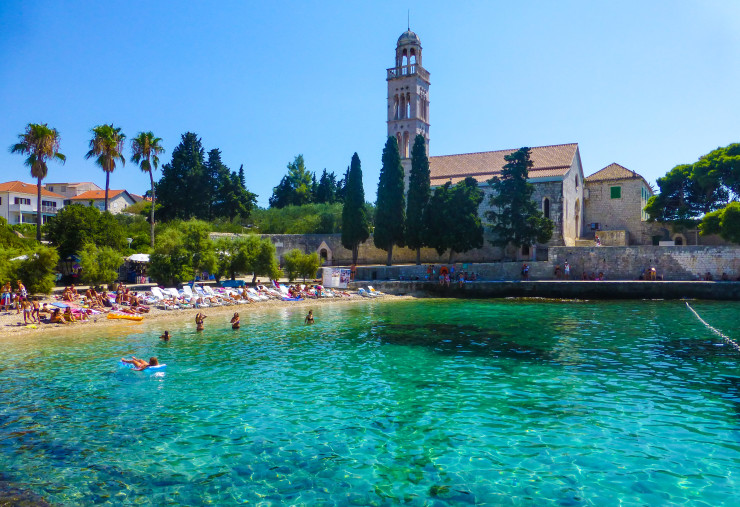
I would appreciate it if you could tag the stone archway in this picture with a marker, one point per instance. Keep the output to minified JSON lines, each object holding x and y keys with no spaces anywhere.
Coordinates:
{"x":325,"y":254}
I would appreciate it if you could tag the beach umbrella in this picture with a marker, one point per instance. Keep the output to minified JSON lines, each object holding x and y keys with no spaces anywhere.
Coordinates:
{"x":139,"y":257}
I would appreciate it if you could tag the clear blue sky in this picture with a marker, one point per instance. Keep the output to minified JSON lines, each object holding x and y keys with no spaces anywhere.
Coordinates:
{"x":646,"y":84}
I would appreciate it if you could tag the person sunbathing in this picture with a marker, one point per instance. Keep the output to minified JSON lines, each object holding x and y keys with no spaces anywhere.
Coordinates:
{"x":68,"y":314}
{"x":140,"y":364}
{"x":56,"y":317}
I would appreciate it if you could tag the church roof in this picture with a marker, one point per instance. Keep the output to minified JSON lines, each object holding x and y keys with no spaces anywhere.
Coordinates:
{"x":549,"y":161}
{"x":613,"y":172}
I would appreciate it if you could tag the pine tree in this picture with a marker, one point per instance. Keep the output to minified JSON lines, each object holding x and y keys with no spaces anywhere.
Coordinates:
{"x":451,"y":218}
{"x":355,"y":228}
{"x":515,"y":217}
{"x":242,"y":181}
{"x":178,"y":190}
{"x":418,"y":196}
{"x":390,"y":211}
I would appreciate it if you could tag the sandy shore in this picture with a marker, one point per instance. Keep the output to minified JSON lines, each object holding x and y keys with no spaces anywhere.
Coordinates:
{"x":12,"y":323}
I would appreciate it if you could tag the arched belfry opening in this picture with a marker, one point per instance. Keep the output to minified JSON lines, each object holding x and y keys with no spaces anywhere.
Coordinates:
{"x":408,"y":96}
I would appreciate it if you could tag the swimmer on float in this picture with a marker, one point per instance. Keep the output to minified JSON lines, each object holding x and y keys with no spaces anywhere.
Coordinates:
{"x":140,"y":364}
{"x":235,"y":321}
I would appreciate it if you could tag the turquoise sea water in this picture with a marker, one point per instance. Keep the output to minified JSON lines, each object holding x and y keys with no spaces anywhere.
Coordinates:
{"x":430,"y":402}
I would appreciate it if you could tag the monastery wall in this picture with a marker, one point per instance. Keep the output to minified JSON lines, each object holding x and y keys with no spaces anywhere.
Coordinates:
{"x":671,"y":262}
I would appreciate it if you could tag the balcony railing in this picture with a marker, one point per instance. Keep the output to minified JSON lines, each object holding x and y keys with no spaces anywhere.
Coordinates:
{"x":408,"y":70}
{"x":28,"y":208}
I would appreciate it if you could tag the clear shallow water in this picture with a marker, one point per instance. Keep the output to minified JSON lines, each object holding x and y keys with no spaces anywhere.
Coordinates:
{"x":428,"y":402}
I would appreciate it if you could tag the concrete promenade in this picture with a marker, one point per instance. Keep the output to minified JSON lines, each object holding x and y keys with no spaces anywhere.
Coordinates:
{"x":567,"y":289}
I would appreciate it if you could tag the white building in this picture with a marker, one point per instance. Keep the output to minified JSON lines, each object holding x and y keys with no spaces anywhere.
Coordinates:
{"x":118,"y":200}
{"x":70,"y":190}
{"x":19,"y":203}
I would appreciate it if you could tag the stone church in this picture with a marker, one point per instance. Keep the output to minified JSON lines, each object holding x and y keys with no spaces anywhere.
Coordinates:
{"x":557,"y":173}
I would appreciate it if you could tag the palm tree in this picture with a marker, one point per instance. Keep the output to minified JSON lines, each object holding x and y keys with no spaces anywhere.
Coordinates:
{"x":146,"y":149}
{"x":41,"y":144}
{"x":107,"y":145}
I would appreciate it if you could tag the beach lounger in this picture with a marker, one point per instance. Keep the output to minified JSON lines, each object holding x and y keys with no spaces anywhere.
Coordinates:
{"x":257,"y":295}
{"x":373,"y":291}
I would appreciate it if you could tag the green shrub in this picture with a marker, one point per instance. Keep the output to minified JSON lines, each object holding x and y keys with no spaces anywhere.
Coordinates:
{"x":37,"y":272}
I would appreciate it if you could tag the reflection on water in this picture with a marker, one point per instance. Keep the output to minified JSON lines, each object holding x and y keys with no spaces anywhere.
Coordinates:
{"x":456,"y":402}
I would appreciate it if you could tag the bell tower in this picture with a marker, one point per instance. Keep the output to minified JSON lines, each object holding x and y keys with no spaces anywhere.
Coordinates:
{"x":408,"y":97}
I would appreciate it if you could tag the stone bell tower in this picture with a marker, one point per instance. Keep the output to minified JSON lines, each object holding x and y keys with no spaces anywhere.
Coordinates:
{"x":408,"y":97}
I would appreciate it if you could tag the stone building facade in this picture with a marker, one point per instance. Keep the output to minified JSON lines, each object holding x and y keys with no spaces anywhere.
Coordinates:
{"x":615,"y":201}
{"x":557,"y":174}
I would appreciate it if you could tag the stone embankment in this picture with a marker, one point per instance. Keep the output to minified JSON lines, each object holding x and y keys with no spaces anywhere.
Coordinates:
{"x":563,"y":289}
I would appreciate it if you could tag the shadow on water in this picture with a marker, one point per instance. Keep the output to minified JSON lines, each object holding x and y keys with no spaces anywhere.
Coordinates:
{"x":12,"y":494}
{"x":451,"y":339}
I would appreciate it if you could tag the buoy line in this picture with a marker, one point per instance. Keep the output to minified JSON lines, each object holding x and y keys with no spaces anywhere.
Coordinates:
{"x":716,"y":331}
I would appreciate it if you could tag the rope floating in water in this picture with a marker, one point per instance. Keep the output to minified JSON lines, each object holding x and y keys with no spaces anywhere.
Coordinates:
{"x":716,"y":331}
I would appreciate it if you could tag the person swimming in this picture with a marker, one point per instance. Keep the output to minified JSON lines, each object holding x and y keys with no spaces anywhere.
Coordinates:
{"x":166,"y":336}
{"x":309,"y":317}
{"x":140,"y":364}
{"x":199,"y":324}
{"x":235,"y":321}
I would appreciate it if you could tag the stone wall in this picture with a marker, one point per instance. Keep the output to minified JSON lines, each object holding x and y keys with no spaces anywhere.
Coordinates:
{"x":729,"y":291}
{"x":337,"y":255}
{"x":671,"y":262}
{"x":484,"y":271}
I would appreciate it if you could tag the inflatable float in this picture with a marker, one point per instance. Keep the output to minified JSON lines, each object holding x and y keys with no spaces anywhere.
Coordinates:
{"x":152,"y":369}
{"x":125,"y":316}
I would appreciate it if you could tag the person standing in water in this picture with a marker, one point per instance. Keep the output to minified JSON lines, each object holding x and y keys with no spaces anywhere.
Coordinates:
{"x":166,"y":336}
{"x":235,"y":321}
{"x":199,"y":318}
{"x":309,"y":317}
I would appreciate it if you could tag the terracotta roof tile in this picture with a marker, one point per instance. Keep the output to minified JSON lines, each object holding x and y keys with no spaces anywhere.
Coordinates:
{"x":96,"y":194}
{"x":613,"y":172}
{"x":25,"y":188}
{"x":549,"y":161}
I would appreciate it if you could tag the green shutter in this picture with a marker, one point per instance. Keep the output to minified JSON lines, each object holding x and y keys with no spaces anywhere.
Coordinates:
{"x":616,"y":192}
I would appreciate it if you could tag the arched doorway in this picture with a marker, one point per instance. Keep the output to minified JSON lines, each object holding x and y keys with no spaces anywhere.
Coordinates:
{"x":324,"y":254}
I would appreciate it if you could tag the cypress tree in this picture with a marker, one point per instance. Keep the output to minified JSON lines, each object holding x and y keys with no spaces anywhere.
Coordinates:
{"x":242,"y":180}
{"x":354,"y":221}
{"x":418,"y":196}
{"x":390,"y":212}
{"x":515,"y":217}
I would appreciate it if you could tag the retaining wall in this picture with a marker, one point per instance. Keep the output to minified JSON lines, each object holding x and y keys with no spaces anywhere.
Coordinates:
{"x":671,"y":262}
{"x":565,"y":289}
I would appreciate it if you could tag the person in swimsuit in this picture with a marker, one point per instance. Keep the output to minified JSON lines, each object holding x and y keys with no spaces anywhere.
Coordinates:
{"x":199,"y":318}
{"x":140,"y":364}
{"x":5,"y":298}
{"x":235,"y":321}
{"x":26,"y":304}
{"x":309,"y":317}
{"x":56,"y":317}
{"x":166,"y":336}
